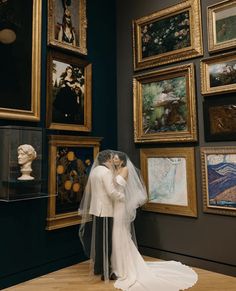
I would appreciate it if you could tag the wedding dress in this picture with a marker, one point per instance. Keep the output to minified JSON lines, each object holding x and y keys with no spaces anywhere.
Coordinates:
{"x":134,"y":274}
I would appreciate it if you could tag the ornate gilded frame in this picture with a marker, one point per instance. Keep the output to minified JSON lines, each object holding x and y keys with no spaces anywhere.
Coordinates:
{"x":34,"y":49}
{"x":56,"y":219}
{"x":214,"y":32}
{"x":219,"y":178}
{"x":228,"y":74}
{"x":80,"y":29}
{"x":187,"y":155}
{"x":81,"y":125}
{"x":178,"y":53}
{"x":186,"y":72}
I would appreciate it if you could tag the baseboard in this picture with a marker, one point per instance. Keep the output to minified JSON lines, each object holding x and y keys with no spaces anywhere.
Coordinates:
{"x":25,"y":275}
{"x":202,"y":263}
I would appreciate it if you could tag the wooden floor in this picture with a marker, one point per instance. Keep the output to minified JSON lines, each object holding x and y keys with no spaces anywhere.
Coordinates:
{"x":75,"y":278}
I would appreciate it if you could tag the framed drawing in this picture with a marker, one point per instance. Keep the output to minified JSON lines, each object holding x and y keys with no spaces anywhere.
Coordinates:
{"x":67,"y":25}
{"x":20,"y":44}
{"x":169,"y":174}
{"x":70,"y":160}
{"x":221,"y":23}
{"x":219,"y":180}
{"x":69,"y":93}
{"x":164,"y":105}
{"x":218,"y":74}
{"x":220,"y":119}
{"x":169,"y":35}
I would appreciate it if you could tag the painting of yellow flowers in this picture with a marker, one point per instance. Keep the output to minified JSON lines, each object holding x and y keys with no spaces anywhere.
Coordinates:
{"x":71,"y":158}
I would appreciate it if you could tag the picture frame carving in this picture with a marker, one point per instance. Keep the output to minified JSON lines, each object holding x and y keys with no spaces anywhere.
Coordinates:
{"x":22,"y":48}
{"x":154,"y":46}
{"x":165,"y":106}
{"x":75,"y":37}
{"x":218,"y":180}
{"x":169,"y":174}
{"x":70,"y":161}
{"x":221,"y":19}
{"x":69,"y":104}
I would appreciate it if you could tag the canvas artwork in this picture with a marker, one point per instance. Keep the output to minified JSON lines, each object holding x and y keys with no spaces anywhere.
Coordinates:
{"x":165,"y":106}
{"x":219,"y":180}
{"x":73,"y":165}
{"x":221,"y":175}
{"x":166,"y":35}
{"x":68,"y":93}
{"x":167,"y":181}
{"x":225,"y":23}
{"x":222,"y":73}
{"x":223,"y":119}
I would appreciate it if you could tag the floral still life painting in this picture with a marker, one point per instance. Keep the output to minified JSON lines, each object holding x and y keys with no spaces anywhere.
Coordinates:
{"x":219,"y":180}
{"x":165,"y":35}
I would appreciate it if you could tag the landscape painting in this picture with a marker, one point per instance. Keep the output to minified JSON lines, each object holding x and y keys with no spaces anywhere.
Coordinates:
{"x":220,"y":180}
{"x":164,"y":105}
{"x":222,"y":73}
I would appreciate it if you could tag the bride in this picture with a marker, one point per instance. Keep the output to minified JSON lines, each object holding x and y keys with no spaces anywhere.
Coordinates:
{"x":133,"y":273}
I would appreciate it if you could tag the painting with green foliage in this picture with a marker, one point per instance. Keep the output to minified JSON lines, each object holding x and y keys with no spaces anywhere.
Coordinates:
{"x":164,"y":106}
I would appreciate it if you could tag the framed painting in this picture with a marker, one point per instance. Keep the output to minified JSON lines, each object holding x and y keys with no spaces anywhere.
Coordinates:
{"x":169,"y":35}
{"x":221,"y":23}
{"x":219,"y":180}
{"x":67,"y":25}
{"x":69,"y":93}
{"x":218,"y":74}
{"x":70,"y":161}
{"x":220,"y":119}
{"x":164,"y":105}
{"x":20,"y":74}
{"x":169,"y":174}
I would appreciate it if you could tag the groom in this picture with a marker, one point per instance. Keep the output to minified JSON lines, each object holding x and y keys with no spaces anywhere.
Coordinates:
{"x":103,"y":193}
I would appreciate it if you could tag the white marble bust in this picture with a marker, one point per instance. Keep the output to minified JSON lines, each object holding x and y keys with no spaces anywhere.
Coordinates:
{"x":26,"y":154}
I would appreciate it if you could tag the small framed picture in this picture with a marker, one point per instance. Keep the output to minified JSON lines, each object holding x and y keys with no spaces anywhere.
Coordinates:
{"x":218,"y":74}
{"x":164,"y":105}
{"x":220,"y":118}
{"x":168,"y":35}
{"x":218,"y":178}
{"x":169,"y":174}
{"x":67,"y":25}
{"x":69,"y":93}
{"x":221,"y":26}
{"x":70,"y":161}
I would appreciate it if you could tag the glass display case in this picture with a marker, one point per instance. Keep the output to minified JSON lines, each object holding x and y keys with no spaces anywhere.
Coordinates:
{"x":21,"y":163}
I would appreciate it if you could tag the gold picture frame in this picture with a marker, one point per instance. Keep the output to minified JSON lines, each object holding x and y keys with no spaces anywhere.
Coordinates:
{"x":70,"y":160}
{"x":218,"y":74}
{"x":21,"y":47}
{"x":218,"y":180}
{"x":70,"y":36}
{"x":221,"y":23}
{"x":169,"y":174}
{"x":69,"y":104}
{"x":165,"y":106}
{"x":182,"y":39}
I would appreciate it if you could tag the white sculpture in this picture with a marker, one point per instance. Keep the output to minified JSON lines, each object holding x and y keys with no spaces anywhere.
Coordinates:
{"x":26,"y":154}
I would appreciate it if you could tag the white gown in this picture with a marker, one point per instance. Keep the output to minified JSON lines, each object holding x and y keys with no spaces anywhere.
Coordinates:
{"x":134,"y":274}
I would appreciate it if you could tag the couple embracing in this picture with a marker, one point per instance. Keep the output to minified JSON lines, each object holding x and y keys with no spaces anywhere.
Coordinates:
{"x":113,"y":193}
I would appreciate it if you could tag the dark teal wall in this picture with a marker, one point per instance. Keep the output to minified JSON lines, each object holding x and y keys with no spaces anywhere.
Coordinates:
{"x":27,"y":250}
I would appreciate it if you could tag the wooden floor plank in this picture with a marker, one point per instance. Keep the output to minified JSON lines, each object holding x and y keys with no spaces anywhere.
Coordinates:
{"x":76,"y":278}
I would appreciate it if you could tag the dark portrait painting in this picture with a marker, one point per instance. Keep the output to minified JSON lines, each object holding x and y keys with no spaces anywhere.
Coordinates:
{"x":18,"y":30}
{"x":69,"y":93}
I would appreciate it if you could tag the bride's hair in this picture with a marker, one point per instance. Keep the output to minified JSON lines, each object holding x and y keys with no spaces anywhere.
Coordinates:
{"x":122,"y":157}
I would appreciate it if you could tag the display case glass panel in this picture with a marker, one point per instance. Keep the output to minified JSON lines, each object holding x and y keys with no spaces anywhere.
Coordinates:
{"x":21,"y":163}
